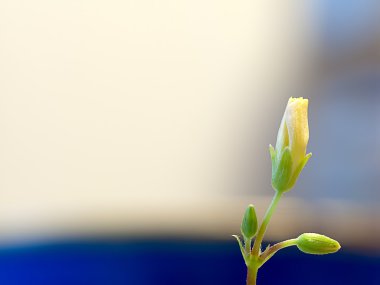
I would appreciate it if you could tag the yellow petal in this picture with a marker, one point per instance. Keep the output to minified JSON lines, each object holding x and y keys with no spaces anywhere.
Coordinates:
{"x":296,"y":121}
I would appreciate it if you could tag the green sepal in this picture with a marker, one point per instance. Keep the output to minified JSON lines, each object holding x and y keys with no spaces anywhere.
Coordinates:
{"x":317,"y":244}
{"x":282,"y":170}
{"x":298,"y":170}
{"x":272,"y":152}
{"x":240,"y":245}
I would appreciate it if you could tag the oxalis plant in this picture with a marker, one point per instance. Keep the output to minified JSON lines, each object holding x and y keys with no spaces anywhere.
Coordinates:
{"x":288,"y":159}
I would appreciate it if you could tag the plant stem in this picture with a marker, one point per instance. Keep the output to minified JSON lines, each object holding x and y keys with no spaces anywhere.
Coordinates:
{"x":251,"y":275}
{"x":263,"y":227}
{"x":247,"y":244}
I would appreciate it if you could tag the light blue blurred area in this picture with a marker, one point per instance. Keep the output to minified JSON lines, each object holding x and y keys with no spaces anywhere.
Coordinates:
{"x":344,"y":104}
{"x":345,"y":140}
{"x":347,"y":25}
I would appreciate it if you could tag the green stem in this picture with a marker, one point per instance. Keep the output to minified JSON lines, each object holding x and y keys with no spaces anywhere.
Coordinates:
{"x":251,"y":275}
{"x":254,"y":262}
{"x":263,"y":227}
{"x":247,"y":244}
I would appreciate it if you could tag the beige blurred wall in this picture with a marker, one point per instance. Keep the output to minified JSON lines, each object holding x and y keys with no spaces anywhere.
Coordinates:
{"x":109,"y":106}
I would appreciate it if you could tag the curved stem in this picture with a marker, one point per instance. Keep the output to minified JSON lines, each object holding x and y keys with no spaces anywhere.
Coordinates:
{"x":273,"y":249}
{"x":263,"y":227}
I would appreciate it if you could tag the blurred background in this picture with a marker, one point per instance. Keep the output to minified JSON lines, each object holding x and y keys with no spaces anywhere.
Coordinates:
{"x":133,"y":134}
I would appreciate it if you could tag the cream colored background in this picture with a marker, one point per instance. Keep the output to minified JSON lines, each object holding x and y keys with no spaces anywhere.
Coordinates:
{"x":133,"y":117}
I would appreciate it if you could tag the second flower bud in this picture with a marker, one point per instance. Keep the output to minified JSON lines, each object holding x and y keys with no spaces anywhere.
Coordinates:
{"x":249,"y":224}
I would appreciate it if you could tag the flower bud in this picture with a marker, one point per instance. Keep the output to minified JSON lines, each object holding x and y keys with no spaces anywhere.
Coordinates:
{"x":317,"y":244}
{"x":289,"y":157}
{"x":249,"y":224}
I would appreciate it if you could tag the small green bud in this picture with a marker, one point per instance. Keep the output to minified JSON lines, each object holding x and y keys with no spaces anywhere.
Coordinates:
{"x":317,"y":244}
{"x":249,"y":224}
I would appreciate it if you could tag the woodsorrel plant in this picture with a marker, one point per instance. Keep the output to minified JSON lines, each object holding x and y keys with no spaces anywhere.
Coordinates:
{"x":288,"y":159}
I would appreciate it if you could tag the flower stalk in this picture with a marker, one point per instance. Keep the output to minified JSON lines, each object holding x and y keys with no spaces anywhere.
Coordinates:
{"x":252,"y":275}
{"x":264,"y":225}
{"x":288,"y":160}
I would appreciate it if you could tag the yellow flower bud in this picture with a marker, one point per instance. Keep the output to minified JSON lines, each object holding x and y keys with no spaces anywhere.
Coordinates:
{"x":289,"y":157}
{"x":317,"y":244}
